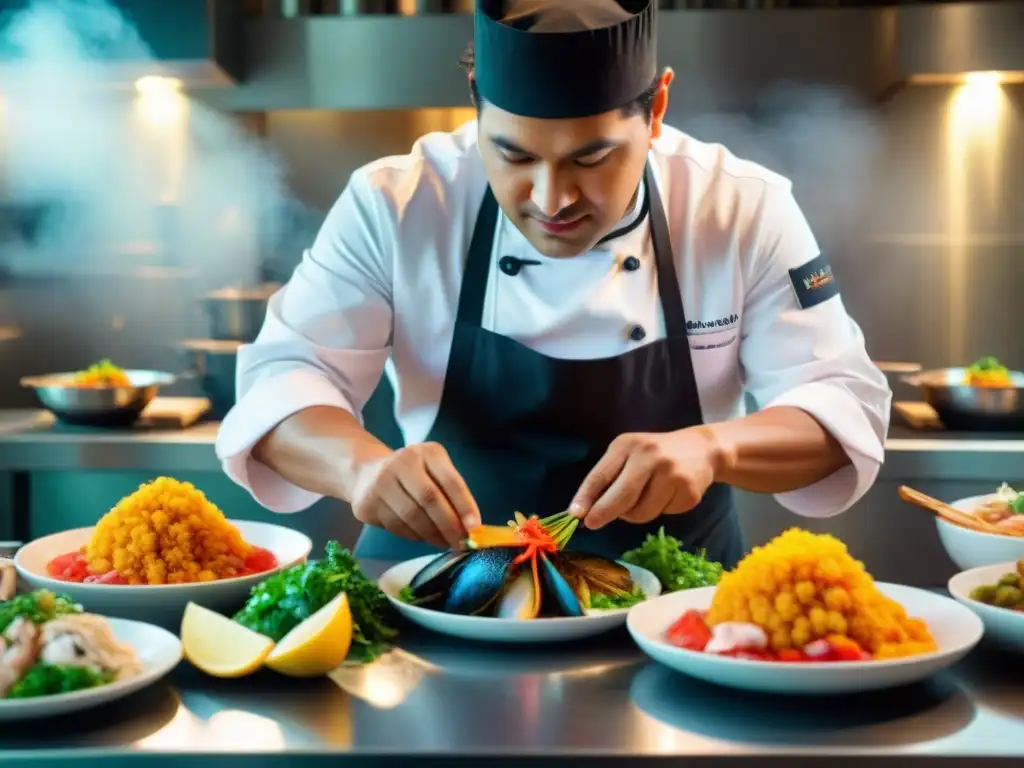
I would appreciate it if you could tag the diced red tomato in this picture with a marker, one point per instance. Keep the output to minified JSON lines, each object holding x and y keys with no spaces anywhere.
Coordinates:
{"x":689,"y":632}
{"x":790,"y":655}
{"x":69,"y":567}
{"x":110,"y":577}
{"x":754,"y":654}
{"x":826,"y":650}
{"x":259,"y":561}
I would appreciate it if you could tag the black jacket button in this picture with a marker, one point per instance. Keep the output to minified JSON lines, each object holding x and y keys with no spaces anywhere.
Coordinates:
{"x":637,"y":333}
{"x":509,"y":265}
{"x":631,"y":264}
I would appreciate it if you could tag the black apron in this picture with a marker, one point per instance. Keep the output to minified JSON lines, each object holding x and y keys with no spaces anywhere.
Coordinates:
{"x":525,"y":429}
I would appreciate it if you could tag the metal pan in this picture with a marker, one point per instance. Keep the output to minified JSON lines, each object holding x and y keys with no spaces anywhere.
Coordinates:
{"x":98,"y":406}
{"x":237,"y":314}
{"x":963,"y":407}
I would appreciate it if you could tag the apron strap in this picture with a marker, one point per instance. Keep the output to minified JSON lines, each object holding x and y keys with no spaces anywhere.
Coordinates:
{"x":478,"y":263}
{"x":664,"y":259}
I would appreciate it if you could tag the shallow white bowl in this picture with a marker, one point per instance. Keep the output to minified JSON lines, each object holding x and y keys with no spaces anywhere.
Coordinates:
{"x":495,"y":630}
{"x":972,"y":549}
{"x":158,"y":650}
{"x":161,"y":604}
{"x":955,"y":628}
{"x":1003,"y":626}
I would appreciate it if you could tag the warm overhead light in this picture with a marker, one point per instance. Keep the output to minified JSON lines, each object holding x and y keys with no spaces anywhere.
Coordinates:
{"x":157,"y":84}
{"x":982,"y":79}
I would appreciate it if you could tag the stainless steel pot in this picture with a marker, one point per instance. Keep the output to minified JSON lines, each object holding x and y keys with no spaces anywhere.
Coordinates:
{"x":963,"y":407}
{"x":98,"y":406}
{"x":236,"y":314}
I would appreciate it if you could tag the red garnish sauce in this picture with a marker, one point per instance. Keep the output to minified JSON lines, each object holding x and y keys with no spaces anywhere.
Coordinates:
{"x":73,"y":567}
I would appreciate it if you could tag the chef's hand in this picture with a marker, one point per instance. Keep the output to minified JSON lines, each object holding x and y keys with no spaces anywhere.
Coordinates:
{"x":416,"y":493}
{"x":645,"y":475}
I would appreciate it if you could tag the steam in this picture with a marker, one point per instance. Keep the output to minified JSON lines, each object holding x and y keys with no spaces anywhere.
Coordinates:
{"x":825,"y":141}
{"x":147,"y":178}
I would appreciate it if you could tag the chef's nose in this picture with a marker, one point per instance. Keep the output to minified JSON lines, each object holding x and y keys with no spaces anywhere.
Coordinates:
{"x":551,"y":193}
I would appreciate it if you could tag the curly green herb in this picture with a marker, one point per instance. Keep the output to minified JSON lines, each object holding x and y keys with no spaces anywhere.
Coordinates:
{"x":675,"y":568}
{"x":38,"y":607}
{"x":283,"y":601}
{"x":48,"y":679}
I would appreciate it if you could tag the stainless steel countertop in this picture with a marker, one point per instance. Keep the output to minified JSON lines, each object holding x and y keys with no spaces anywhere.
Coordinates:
{"x":597,"y":702}
{"x":31,"y":441}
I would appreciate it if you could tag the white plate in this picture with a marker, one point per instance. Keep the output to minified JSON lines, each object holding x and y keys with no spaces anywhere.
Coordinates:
{"x":495,"y":630}
{"x":161,"y":604}
{"x":973,"y":549}
{"x":956,"y":630}
{"x":1001,"y":624}
{"x":158,"y":650}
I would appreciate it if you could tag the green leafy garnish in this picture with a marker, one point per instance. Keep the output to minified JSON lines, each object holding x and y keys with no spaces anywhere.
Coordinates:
{"x":405,"y":594}
{"x":620,"y":600}
{"x":675,"y":568}
{"x":987,"y":364}
{"x":49,"y":679}
{"x":1017,"y":505}
{"x":38,"y":607}
{"x":283,"y":601}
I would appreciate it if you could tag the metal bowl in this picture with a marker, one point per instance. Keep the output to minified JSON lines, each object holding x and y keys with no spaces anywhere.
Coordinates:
{"x":963,"y":407}
{"x":97,"y":406}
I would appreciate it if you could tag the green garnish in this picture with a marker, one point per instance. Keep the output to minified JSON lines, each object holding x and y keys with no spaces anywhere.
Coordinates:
{"x":675,"y":568}
{"x":986,"y":364}
{"x":1017,"y":505}
{"x":620,"y":600}
{"x":49,"y":679}
{"x":282,"y":602}
{"x":38,"y":607}
{"x":405,"y":594}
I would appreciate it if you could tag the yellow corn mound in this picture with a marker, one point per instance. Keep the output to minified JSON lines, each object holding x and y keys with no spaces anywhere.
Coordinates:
{"x":167,"y":532}
{"x":802,"y":587}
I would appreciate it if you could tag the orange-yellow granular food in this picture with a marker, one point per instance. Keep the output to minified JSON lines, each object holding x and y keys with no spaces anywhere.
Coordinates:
{"x":167,"y":532}
{"x":802,"y":587}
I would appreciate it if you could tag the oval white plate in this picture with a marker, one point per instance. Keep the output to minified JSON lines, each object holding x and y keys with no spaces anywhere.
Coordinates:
{"x":495,"y":630}
{"x":956,"y":629}
{"x":161,"y":604}
{"x":158,"y":650}
{"x":973,"y":549}
{"x":1001,"y":624}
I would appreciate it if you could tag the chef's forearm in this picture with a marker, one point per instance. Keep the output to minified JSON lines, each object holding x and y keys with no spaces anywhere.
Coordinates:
{"x":775,"y":450}
{"x":320,"y":449}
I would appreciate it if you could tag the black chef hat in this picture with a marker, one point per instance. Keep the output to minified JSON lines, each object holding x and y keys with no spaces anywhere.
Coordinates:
{"x":564,"y":58}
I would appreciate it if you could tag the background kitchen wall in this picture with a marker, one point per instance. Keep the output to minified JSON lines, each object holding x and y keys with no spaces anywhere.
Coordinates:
{"x":914,"y":193}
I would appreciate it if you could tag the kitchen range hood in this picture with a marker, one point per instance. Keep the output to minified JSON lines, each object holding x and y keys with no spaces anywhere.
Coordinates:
{"x":196,"y":41}
{"x":948,"y":42}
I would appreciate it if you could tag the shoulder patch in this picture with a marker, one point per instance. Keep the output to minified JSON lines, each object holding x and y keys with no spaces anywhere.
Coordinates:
{"x":813,"y":282}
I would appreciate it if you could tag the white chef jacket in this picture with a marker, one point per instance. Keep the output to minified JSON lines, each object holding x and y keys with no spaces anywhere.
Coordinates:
{"x":379,"y":289}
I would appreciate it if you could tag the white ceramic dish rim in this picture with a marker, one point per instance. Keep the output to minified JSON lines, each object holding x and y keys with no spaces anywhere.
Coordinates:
{"x":85,"y":532}
{"x":495,"y":621}
{"x":102,"y":691}
{"x":953,"y":585}
{"x":968,"y":505}
{"x":808,"y":667}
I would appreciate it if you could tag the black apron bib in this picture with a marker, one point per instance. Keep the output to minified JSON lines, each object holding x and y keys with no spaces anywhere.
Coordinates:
{"x":524,"y":429}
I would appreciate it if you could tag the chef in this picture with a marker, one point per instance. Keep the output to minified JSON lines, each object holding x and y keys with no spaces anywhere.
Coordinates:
{"x":570,"y":299}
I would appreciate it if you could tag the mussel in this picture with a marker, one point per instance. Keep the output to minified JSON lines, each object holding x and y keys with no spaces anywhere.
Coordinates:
{"x":515,"y":583}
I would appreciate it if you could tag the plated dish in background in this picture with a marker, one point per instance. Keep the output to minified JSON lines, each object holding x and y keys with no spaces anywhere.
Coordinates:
{"x":55,"y":658}
{"x":984,"y":396}
{"x":801,"y":615}
{"x":978,"y":530}
{"x":102,"y":395}
{"x":996,"y":594}
{"x":158,"y":549}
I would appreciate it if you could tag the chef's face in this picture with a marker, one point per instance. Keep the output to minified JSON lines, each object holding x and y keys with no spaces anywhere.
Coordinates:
{"x":566,"y":183}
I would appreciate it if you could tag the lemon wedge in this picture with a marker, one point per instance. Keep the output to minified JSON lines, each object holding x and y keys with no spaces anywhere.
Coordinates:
{"x":219,"y":646}
{"x":318,"y":645}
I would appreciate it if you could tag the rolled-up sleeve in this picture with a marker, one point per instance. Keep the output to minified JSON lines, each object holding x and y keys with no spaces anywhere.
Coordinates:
{"x":810,"y":358}
{"x":324,"y":341}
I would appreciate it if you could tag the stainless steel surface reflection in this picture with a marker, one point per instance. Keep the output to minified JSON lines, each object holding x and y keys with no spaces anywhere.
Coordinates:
{"x":596,"y":700}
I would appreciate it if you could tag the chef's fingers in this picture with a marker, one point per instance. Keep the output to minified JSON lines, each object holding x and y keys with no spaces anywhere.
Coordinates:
{"x":433,"y":503}
{"x":653,"y":502}
{"x":440,"y":468}
{"x":392,"y":523}
{"x":683,"y":500}
{"x":405,"y":508}
{"x":622,"y":495}
{"x":599,"y":480}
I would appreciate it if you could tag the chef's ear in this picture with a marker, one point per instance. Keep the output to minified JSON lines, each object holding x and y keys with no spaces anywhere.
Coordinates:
{"x":660,"y":103}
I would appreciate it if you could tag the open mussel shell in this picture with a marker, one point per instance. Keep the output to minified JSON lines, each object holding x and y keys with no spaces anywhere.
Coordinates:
{"x":601,"y":575}
{"x":558,"y":596}
{"x":432,"y":580}
{"x":522,"y":597}
{"x":481,"y":579}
